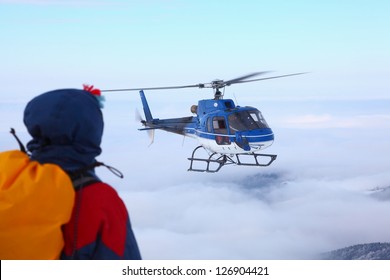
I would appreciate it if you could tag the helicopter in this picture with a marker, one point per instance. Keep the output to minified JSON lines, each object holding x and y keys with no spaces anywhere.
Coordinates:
{"x":230,"y":134}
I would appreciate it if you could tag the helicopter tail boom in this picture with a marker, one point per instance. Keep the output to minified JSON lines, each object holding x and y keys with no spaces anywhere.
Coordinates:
{"x":174,"y":125}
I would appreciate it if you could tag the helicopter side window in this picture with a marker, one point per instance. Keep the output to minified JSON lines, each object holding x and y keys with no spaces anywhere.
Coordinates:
{"x":209,"y":125}
{"x":219,"y":125}
{"x":236,"y":123}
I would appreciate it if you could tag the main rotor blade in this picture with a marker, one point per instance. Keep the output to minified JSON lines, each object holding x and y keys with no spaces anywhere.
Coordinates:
{"x":236,"y":80}
{"x":215,"y":84}
{"x":269,"y":78}
{"x":153,"y":88}
{"x":201,"y":85}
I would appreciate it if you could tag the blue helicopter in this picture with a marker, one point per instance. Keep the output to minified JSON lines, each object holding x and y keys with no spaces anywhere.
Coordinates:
{"x":228,"y":133}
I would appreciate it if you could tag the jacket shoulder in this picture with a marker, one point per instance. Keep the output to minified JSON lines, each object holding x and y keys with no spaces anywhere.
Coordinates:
{"x":104,"y":230}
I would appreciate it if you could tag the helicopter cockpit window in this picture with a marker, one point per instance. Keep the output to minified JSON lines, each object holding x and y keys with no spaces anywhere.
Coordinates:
{"x":246,"y":120}
{"x":219,"y":125}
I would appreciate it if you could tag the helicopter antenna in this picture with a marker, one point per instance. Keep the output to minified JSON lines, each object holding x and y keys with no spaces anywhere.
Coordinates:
{"x":235,"y":98}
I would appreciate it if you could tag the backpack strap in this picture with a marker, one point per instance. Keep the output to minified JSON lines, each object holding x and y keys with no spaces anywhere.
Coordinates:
{"x":21,"y":146}
{"x":82,"y":178}
{"x":85,"y":176}
{"x":83,"y":181}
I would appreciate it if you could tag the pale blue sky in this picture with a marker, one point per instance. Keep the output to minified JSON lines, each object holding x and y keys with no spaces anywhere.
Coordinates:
{"x":113,"y":44}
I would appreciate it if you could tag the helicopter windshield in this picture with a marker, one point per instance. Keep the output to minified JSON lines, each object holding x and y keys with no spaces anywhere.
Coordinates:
{"x":246,"y":120}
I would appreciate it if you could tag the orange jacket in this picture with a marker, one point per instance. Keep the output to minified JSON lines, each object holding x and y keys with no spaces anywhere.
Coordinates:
{"x":35,"y":201}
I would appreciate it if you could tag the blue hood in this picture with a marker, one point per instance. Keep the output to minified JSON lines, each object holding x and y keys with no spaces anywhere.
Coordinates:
{"x":66,"y":126}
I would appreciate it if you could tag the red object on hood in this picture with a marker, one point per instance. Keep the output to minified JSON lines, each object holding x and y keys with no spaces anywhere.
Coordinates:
{"x":92,"y":90}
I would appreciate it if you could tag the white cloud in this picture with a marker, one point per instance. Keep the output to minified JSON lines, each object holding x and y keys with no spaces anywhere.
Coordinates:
{"x":282,"y":220}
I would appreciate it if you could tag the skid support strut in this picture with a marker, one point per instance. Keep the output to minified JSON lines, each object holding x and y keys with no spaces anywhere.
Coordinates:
{"x":216,"y":161}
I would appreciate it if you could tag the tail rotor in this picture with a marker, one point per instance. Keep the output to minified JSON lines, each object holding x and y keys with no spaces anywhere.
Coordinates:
{"x":138,"y":118}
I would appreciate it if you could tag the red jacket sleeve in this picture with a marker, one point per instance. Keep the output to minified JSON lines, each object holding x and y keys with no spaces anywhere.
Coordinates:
{"x":100,"y":226}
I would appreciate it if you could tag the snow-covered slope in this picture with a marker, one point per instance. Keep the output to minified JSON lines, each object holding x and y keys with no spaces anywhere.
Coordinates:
{"x":370,"y":251}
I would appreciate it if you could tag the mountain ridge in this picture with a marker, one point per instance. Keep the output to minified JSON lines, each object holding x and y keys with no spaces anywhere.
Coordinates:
{"x":368,"y":251}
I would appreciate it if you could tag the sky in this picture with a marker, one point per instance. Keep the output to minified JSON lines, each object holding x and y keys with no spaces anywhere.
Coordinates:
{"x":343,"y":44}
{"x":328,"y":188}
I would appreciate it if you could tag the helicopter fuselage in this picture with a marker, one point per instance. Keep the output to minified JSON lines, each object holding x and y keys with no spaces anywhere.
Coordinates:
{"x":219,"y":126}
{"x":230,"y":134}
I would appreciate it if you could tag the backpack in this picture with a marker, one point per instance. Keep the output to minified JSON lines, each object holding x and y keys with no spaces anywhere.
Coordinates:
{"x":35,"y":201}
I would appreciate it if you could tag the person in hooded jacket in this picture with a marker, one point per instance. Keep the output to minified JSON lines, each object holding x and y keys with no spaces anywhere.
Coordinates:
{"x":66,"y":126}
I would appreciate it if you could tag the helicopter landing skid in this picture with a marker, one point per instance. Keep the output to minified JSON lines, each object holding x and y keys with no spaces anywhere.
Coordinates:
{"x":216,"y":161}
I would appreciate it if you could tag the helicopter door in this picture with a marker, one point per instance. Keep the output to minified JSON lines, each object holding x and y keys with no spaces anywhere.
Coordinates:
{"x":220,"y":129}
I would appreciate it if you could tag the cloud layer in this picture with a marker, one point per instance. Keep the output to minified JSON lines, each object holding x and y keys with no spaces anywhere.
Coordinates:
{"x":278,"y":218}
